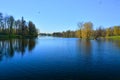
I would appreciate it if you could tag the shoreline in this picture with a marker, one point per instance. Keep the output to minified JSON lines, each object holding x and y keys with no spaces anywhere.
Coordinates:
{"x":17,"y":36}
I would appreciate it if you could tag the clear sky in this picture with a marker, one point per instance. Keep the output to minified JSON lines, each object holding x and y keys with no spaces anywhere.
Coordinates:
{"x":59,"y":15}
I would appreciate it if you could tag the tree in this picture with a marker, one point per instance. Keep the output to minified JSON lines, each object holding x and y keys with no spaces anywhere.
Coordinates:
{"x":79,"y":31}
{"x":6,"y":18}
{"x":98,"y":33}
{"x":116,"y":30}
{"x":103,"y":32}
{"x":87,"y":30}
{"x":32,"y":28}
{"x":1,"y":20}
{"x":2,"y":26}
{"x":11,"y":23}
{"x":17,"y":26}
{"x":23,"y":26}
{"x":108,"y":32}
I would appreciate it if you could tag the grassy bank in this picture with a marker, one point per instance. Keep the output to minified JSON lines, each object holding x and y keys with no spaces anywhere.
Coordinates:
{"x":17,"y":36}
{"x":113,"y":37}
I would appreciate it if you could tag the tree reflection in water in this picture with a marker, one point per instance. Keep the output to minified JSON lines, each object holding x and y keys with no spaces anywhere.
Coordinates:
{"x":10,"y":46}
{"x":85,"y":47}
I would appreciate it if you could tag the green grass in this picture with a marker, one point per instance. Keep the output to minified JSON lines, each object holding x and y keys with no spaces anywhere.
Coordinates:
{"x":8,"y":37}
{"x":113,"y":37}
{"x":16,"y":36}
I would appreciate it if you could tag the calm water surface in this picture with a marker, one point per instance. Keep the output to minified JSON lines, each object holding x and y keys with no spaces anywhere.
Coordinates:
{"x":50,"y":58}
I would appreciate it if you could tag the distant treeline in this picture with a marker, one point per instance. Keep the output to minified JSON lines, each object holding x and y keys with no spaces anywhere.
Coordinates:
{"x":10,"y":26}
{"x":45,"y":34}
{"x":86,"y":31}
{"x":67,"y":33}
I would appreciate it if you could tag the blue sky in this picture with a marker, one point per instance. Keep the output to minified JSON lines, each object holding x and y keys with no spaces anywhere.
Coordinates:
{"x":59,"y":15}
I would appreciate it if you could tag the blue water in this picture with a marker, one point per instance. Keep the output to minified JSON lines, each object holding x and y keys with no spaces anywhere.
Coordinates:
{"x":52,"y":58}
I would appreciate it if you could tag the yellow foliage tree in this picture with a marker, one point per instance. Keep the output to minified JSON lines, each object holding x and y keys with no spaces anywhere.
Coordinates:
{"x":108,"y":32}
{"x":116,"y":30}
{"x":87,"y":30}
{"x":79,"y":32}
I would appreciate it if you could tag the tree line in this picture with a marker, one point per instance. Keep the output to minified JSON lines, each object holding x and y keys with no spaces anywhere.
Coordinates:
{"x":67,"y":33}
{"x":86,"y":31}
{"x":10,"y":26}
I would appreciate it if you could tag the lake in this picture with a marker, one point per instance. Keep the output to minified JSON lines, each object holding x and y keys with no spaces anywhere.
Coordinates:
{"x":52,"y":58}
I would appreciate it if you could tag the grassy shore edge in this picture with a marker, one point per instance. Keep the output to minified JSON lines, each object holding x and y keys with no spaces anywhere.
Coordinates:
{"x":17,"y":36}
{"x":113,"y":37}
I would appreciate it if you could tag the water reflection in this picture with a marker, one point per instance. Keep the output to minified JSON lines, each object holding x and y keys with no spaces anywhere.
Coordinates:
{"x":95,"y":51}
{"x":85,"y":54}
{"x":115,"y":42}
{"x":98,"y":59}
{"x":84,"y":47}
{"x":10,"y":46}
{"x":88,"y":47}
